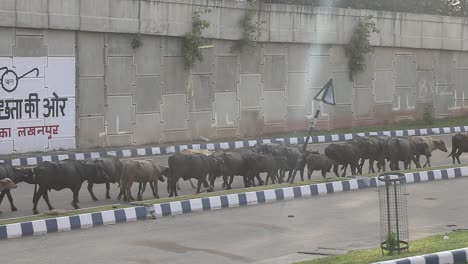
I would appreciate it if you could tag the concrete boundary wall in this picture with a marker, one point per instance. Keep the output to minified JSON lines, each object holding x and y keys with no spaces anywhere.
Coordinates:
{"x":283,"y":23}
{"x":143,"y":96}
{"x":140,"y":212}
{"x":169,"y":150}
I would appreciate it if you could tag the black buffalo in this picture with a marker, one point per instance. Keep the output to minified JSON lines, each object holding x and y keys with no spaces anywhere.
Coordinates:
{"x":66,"y":174}
{"x":112,"y":167}
{"x":459,"y":145}
{"x":344,"y":154}
{"x":187,"y":166}
{"x":235,"y":164}
{"x":17,"y":176}
{"x":264,"y":162}
{"x":405,"y":150}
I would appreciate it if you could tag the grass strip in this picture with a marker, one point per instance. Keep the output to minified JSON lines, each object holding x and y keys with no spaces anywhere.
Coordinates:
{"x":60,"y":213}
{"x":428,"y":245}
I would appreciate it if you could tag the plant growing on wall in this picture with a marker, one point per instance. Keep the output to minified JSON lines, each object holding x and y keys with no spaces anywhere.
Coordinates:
{"x":137,"y":41}
{"x":193,"y":40}
{"x":359,"y":45}
{"x":250,"y":30}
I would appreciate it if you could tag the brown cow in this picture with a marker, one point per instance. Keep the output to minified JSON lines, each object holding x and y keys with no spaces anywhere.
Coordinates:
{"x":141,"y":171}
{"x":432,"y":144}
{"x":6,"y":184}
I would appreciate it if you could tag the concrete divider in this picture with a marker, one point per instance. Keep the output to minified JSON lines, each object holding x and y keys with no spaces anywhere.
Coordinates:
{"x":68,"y":223}
{"x":457,"y":256}
{"x":236,"y":144}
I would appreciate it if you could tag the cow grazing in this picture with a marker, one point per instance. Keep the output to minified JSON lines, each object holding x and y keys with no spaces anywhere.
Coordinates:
{"x":65,"y":174}
{"x":318,"y":162}
{"x":7,"y":184}
{"x":141,"y":171}
{"x":459,"y":145}
{"x":112,"y":167}
{"x":187,"y":166}
{"x":17,"y":176}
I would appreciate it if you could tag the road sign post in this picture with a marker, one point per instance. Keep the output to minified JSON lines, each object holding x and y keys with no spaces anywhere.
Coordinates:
{"x":325,"y":95}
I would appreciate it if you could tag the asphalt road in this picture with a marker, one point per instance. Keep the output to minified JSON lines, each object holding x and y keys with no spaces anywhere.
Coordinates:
{"x":62,"y":199}
{"x":251,"y":234}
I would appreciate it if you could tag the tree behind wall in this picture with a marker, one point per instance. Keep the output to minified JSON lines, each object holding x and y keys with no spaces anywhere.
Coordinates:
{"x":438,"y":7}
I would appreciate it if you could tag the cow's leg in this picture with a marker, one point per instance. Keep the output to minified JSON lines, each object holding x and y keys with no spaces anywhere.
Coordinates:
{"x":90,"y":190}
{"x":36,"y":197}
{"x":143,"y":189}
{"x":229,"y":182}
{"x":309,"y":173}
{"x":75,"y":198}
{"x":205,"y":183}
{"x":324,"y":173}
{"x":345,"y":168}
{"x":371,"y":165}
{"x":45,"y":195}
{"x":428,"y":162}
{"x":259,"y":179}
{"x":2,"y":194}
{"x":107,"y":190}
{"x":335,"y":170}
{"x":199,"y":184}
{"x":191,"y":183}
{"x":10,"y":199}
{"x":457,"y":155}
{"x":302,"y":174}
{"x":225,"y":179}
{"x":361,"y":165}
{"x":212,"y":181}
{"x":246,"y":181}
{"x":154,"y":188}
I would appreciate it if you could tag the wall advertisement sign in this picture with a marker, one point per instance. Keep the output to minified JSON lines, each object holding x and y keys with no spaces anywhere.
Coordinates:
{"x":37,"y":104}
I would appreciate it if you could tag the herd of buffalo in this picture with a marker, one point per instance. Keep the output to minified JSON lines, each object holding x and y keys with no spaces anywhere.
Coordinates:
{"x":275,"y":159}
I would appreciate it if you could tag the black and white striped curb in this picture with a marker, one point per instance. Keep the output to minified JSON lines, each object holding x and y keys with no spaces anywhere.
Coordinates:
{"x":68,"y":223}
{"x":158,"y":150}
{"x":425,"y":176}
{"x":255,"y":197}
{"x":458,"y":256}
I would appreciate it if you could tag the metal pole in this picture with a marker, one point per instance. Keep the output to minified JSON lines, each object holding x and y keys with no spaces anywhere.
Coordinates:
{"x":304,"y":146}
{"x":396,"y":218}
{"x":387,"y":186}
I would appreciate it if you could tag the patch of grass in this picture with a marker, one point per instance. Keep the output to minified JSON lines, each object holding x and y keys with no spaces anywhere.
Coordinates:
{"x":60,"y":213}
{"x":420,"y":169}
{"x":236,"y":191}
{"x":457,"y":239}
